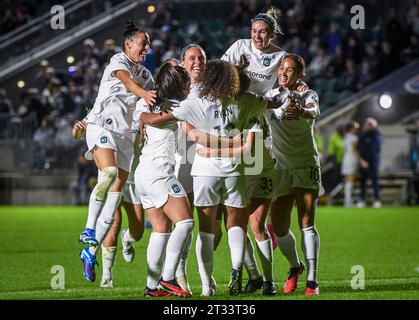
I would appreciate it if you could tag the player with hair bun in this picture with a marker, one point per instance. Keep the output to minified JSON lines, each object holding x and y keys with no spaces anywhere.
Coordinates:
{"x":109,"y":137}
{"x":297,"y":167}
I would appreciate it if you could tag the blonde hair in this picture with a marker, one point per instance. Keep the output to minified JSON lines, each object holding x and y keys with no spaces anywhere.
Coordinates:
{"x":271,"y":17}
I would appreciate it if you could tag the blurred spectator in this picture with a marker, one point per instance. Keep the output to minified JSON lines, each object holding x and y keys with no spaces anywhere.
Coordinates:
{"x":369,"y":147}
{"x":413,"y":20}
{"x":354,"y":49}
{"x":56,"y":97}
{"x":87,"y":177}
{"x":160,"y":17}
{"x":350,"y":161}
{"x":412,"y":51}
{"x":44,"y":142}
{"x":366,"y":74}
{"x":90,"y":52}
{"x":42,"y":78}
{"x":388,"y":60}
{"x":394,"y":31}
{"x":6,"y":106}
{"x":319,"y":64}
{"x":108,"y":50}
{"x":337,"y":64}
{"x":170,"y":53}
{"x":349,"y":77}
{"x":333,"y":39}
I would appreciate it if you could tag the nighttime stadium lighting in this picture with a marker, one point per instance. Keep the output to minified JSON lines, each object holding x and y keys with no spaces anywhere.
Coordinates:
{"x":385,"y":101}
{"x":21,"y":84}
{"x":151,"y":9}
{"x":70,"y":59}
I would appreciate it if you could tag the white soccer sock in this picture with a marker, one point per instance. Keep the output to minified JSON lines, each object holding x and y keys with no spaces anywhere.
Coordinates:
{"x":105,"y":179}
{"x":348,"y":194}
{"x":106,"y":218}
{"x":205,"y":257}
{"x":108,"y":259}
{"x":249,"y":260}
{"x":310,"y":243}
{"x":236,"y":242}
{"x":265,"y":254}
{"x":287,"y":245}
{"x":174,"y":248}
{"x":95,"y":207}
{"x":156,"y":251}
{"x":181,"y":268}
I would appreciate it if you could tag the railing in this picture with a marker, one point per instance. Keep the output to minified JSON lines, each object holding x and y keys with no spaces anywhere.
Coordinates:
{"x":38,"y":31}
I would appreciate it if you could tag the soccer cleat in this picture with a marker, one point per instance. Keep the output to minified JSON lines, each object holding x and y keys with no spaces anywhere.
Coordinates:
{"x":88,"y":236}
{"x":156,"y":293}
{"x":89,"y":263}
{"x":128,"y":250}
{"x":291,"y":283}
{"x":312,"y":289}
{"x":253,"y":285}
{"x":269,"y":288}
{"x":106,"y":283}
{"x":183,"y":282}
{"x":235,"y":284}
{"x":173,"y":287}
{"x":272,"y":234}
{"x":210,"y":292}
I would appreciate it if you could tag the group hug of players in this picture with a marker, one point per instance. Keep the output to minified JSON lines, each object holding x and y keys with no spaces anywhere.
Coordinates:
{"x":182,"y":141}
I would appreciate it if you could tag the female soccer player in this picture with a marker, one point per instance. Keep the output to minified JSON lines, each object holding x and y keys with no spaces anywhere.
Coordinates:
{"x":264,"y":58}
{"x":162,"y":195}
{"x":193,"y":59}
{"x":298,"y":171}
{"x":133,"y":208}
{"x":216,"y":180}
{"x":109,"y":138}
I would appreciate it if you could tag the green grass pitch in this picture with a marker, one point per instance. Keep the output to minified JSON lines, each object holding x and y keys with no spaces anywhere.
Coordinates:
{"x":383,"y":241}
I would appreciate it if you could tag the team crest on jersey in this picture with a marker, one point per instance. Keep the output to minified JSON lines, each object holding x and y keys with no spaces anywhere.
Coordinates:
{"x":145,"y":75}
{"x":175,"y":188}
{"x":108,"y":121}
{"x":103,"y":139}
{"x":267,"y":61}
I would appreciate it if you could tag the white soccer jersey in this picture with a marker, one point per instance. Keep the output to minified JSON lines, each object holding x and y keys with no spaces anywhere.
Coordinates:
{"x":293,"y":143}
{"x":160,"y":142}
{"x":208,"y":117}
{"x":114,"y":104}
{"x":185,"y":153}
{"x":263,"y":67}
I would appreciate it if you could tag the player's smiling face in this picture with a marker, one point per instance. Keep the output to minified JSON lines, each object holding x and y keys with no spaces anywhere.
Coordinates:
{"x":194,"y":63}
{"x":261,"y":35}
{"x":137,"y":48}
{"x":287,"y":73}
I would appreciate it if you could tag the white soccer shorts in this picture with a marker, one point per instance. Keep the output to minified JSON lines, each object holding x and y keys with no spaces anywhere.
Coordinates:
{"x":129,"y":195}
{"x":306,"y":178}
{"x":155,"y":191}
{"x":99,"y":137}
{"x":211,"y":191}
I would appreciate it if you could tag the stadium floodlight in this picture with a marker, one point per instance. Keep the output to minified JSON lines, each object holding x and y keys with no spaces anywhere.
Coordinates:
{"x":386,"y":101}
{"x":21,"y":84}
{"x":151,"y":9}
{"x":70,"y":59}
